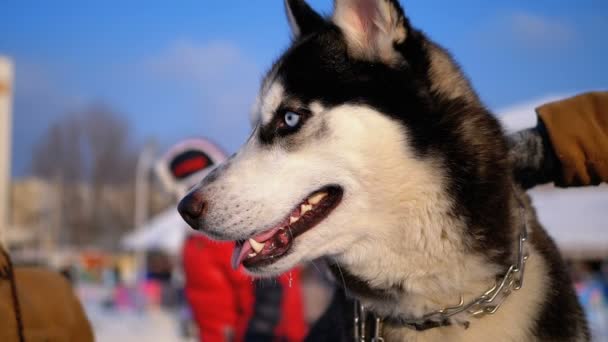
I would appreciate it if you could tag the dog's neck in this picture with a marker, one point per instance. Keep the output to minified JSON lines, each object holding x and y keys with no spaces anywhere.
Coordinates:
{"x":421,"y":285}
{"x":415,"y":269}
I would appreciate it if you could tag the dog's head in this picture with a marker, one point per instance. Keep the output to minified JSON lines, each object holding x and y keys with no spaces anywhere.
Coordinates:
{"x":360,"y":135}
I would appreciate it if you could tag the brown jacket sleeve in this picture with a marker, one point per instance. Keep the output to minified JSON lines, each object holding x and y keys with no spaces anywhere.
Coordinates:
{"x":578,"y":129}
{"x":48,"y":308}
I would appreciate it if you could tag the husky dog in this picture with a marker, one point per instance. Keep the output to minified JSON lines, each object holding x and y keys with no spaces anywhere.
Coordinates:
{"x":371,"y":150}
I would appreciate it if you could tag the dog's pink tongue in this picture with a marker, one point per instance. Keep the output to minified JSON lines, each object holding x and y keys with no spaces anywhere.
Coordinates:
{"x":239,"y":253}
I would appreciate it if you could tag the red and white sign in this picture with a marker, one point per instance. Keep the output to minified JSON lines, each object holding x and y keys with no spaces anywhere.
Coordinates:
{"x":186,"y":163}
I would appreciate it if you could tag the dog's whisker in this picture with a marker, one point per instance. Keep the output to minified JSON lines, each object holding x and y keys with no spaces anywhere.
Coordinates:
{"x":316,"y":267}
{"x":341,"y":274}
{"x":290,"y":232}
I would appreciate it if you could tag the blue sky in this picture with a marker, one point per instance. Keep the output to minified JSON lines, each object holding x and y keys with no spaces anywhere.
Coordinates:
{"x":191,"y":68}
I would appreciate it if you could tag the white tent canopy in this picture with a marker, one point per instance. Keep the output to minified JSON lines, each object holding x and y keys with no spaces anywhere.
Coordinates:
{"x":577,"y":218}
{"x":166,"y":232}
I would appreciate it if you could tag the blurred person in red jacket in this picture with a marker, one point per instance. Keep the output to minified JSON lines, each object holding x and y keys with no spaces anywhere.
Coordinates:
{"x":229,"y":305}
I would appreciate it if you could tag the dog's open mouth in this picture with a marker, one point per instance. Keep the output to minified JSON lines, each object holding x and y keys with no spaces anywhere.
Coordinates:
{"x":265,"y":248}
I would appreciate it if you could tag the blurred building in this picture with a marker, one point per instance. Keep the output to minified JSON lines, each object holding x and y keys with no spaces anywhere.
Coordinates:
{"x":29,"y":212}
{"x":46,"y":216}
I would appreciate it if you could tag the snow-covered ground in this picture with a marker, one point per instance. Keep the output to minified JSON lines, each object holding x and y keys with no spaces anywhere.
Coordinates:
{"x":128,"y":325}
{"x":150,"y":326}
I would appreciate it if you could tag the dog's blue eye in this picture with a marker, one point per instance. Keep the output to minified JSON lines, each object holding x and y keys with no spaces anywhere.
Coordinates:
{"x":291,"y":119}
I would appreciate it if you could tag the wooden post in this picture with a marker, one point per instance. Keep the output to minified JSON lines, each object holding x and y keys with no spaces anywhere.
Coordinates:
{"x":6,"y":80}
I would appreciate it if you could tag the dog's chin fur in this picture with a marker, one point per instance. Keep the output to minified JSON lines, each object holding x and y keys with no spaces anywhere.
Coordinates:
{"x":429,"y":210}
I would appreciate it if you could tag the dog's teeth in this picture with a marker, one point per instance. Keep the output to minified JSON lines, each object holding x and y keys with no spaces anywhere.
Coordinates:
{"x":305,"y":208}
{"x":293,"y":219}
{"x":257,"y":246}
{"x":251,"y":255}
{"x":315,"y":199}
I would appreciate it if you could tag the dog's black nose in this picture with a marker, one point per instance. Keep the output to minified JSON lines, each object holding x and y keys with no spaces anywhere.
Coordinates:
{"x":192,"y":208}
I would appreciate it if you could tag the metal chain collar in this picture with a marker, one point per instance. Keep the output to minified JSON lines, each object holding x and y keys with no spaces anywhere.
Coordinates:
{"x":486,"y":304}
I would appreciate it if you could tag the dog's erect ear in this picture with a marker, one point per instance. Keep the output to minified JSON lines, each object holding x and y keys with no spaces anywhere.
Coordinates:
{"x":371,"y":27}
{"x":302,"y":18}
